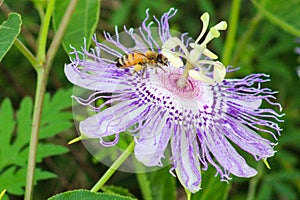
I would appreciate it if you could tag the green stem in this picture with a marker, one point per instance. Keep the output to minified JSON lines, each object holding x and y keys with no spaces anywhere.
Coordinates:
{"x":60,"y":33}
{"x":232,"y":29}
{"x":113,"y":167}
{"x":144,"y":185}
{"x":254,"y":181}
{"x":42,"y":78}
{"x":43,"y":68}
{"x":25,"y":51}
{"x":41,"y":53}
{"x":188,"y":194}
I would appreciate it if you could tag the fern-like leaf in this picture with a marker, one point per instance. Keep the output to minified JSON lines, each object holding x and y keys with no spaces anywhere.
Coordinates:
{"x":15,"y":133}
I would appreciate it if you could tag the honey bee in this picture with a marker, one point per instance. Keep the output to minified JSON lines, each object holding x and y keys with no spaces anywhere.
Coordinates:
{"x":141,"y":61}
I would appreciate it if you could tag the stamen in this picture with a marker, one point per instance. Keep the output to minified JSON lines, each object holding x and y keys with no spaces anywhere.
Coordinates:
{"x":205,"y":20}
{"x":193,"y":57}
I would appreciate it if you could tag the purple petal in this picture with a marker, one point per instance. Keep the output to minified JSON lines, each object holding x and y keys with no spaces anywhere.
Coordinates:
{"x":104,"y":80}
{"x":247,"y":139}
{"x":112,"y":120}
{"x":225,"y":154}
{"x":186,"y":163}
{"x":153,"y":140}
{"x":254,"y":104}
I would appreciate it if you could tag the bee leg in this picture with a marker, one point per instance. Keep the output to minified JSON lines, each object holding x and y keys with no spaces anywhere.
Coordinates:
{"x":143,"y":72}
{"x":160,"y":67}
{"x":137,"y":68}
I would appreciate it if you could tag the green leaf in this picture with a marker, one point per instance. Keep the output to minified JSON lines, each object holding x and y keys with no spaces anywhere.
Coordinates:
{"x":85,"y":194}
{"x":15,"y":137}
{"x":212,"y":187}
{"x":53,"y":120}
{"x":151,"y":185}
{"x":112,"y":189}
{"x":47,"y":150}
{"x":9,"y":30}
{"x":82,"y":25}
{"x":13,"y":179}
{"x":281,"y":13}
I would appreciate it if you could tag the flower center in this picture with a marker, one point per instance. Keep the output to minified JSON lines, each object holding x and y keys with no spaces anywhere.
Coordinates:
{"x":170,"y":82}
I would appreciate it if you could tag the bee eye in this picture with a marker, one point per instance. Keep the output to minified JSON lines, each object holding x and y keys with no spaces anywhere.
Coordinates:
{"x":159,"y":58}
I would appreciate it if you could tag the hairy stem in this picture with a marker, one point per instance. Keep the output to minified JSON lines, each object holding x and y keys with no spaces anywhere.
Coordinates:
{"x":233,"y":25}
{"x":113,"y":167}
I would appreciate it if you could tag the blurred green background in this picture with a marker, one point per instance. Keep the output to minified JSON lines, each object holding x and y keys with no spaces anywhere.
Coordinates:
{"x":260,"y":46}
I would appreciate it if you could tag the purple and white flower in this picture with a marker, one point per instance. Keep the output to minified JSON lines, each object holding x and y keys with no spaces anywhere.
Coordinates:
{"x":199,"y":118}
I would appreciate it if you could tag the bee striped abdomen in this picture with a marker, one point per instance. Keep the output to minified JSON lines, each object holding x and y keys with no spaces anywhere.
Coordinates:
{"x":127,"y":60}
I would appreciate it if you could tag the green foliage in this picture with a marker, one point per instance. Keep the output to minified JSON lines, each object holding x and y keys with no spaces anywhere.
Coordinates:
{"x":157,"y":185}
{"x":9,"y":30}
{"x":85,"y":194}
{"x":282,"y":14}
{"x":264,"y":44}
{"x":82,"y":25}
{"x":213,"y":188}
{"x":15,"y":136}
{"x":111,"y":189}
{"x":136,"y":11}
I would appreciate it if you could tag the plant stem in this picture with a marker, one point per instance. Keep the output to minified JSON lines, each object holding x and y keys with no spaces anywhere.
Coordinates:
{"x":41,"y":53}
{"x":42,"y":78}
{"x":254,"y":182}
{"x":25,"y":51}
{"x":113,"y":167}
{"x":144,"y":185}
{"x":43,"y":68}
{"x":232,"y":29}
{"x":188,"y":194}
{"x":60,"y":32}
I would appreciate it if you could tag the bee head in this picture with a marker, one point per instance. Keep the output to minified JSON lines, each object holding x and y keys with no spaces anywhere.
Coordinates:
{"x":162,"y":59}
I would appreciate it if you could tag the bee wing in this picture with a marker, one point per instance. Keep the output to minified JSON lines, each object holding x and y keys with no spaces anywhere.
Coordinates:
{"x":140,"y":53}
